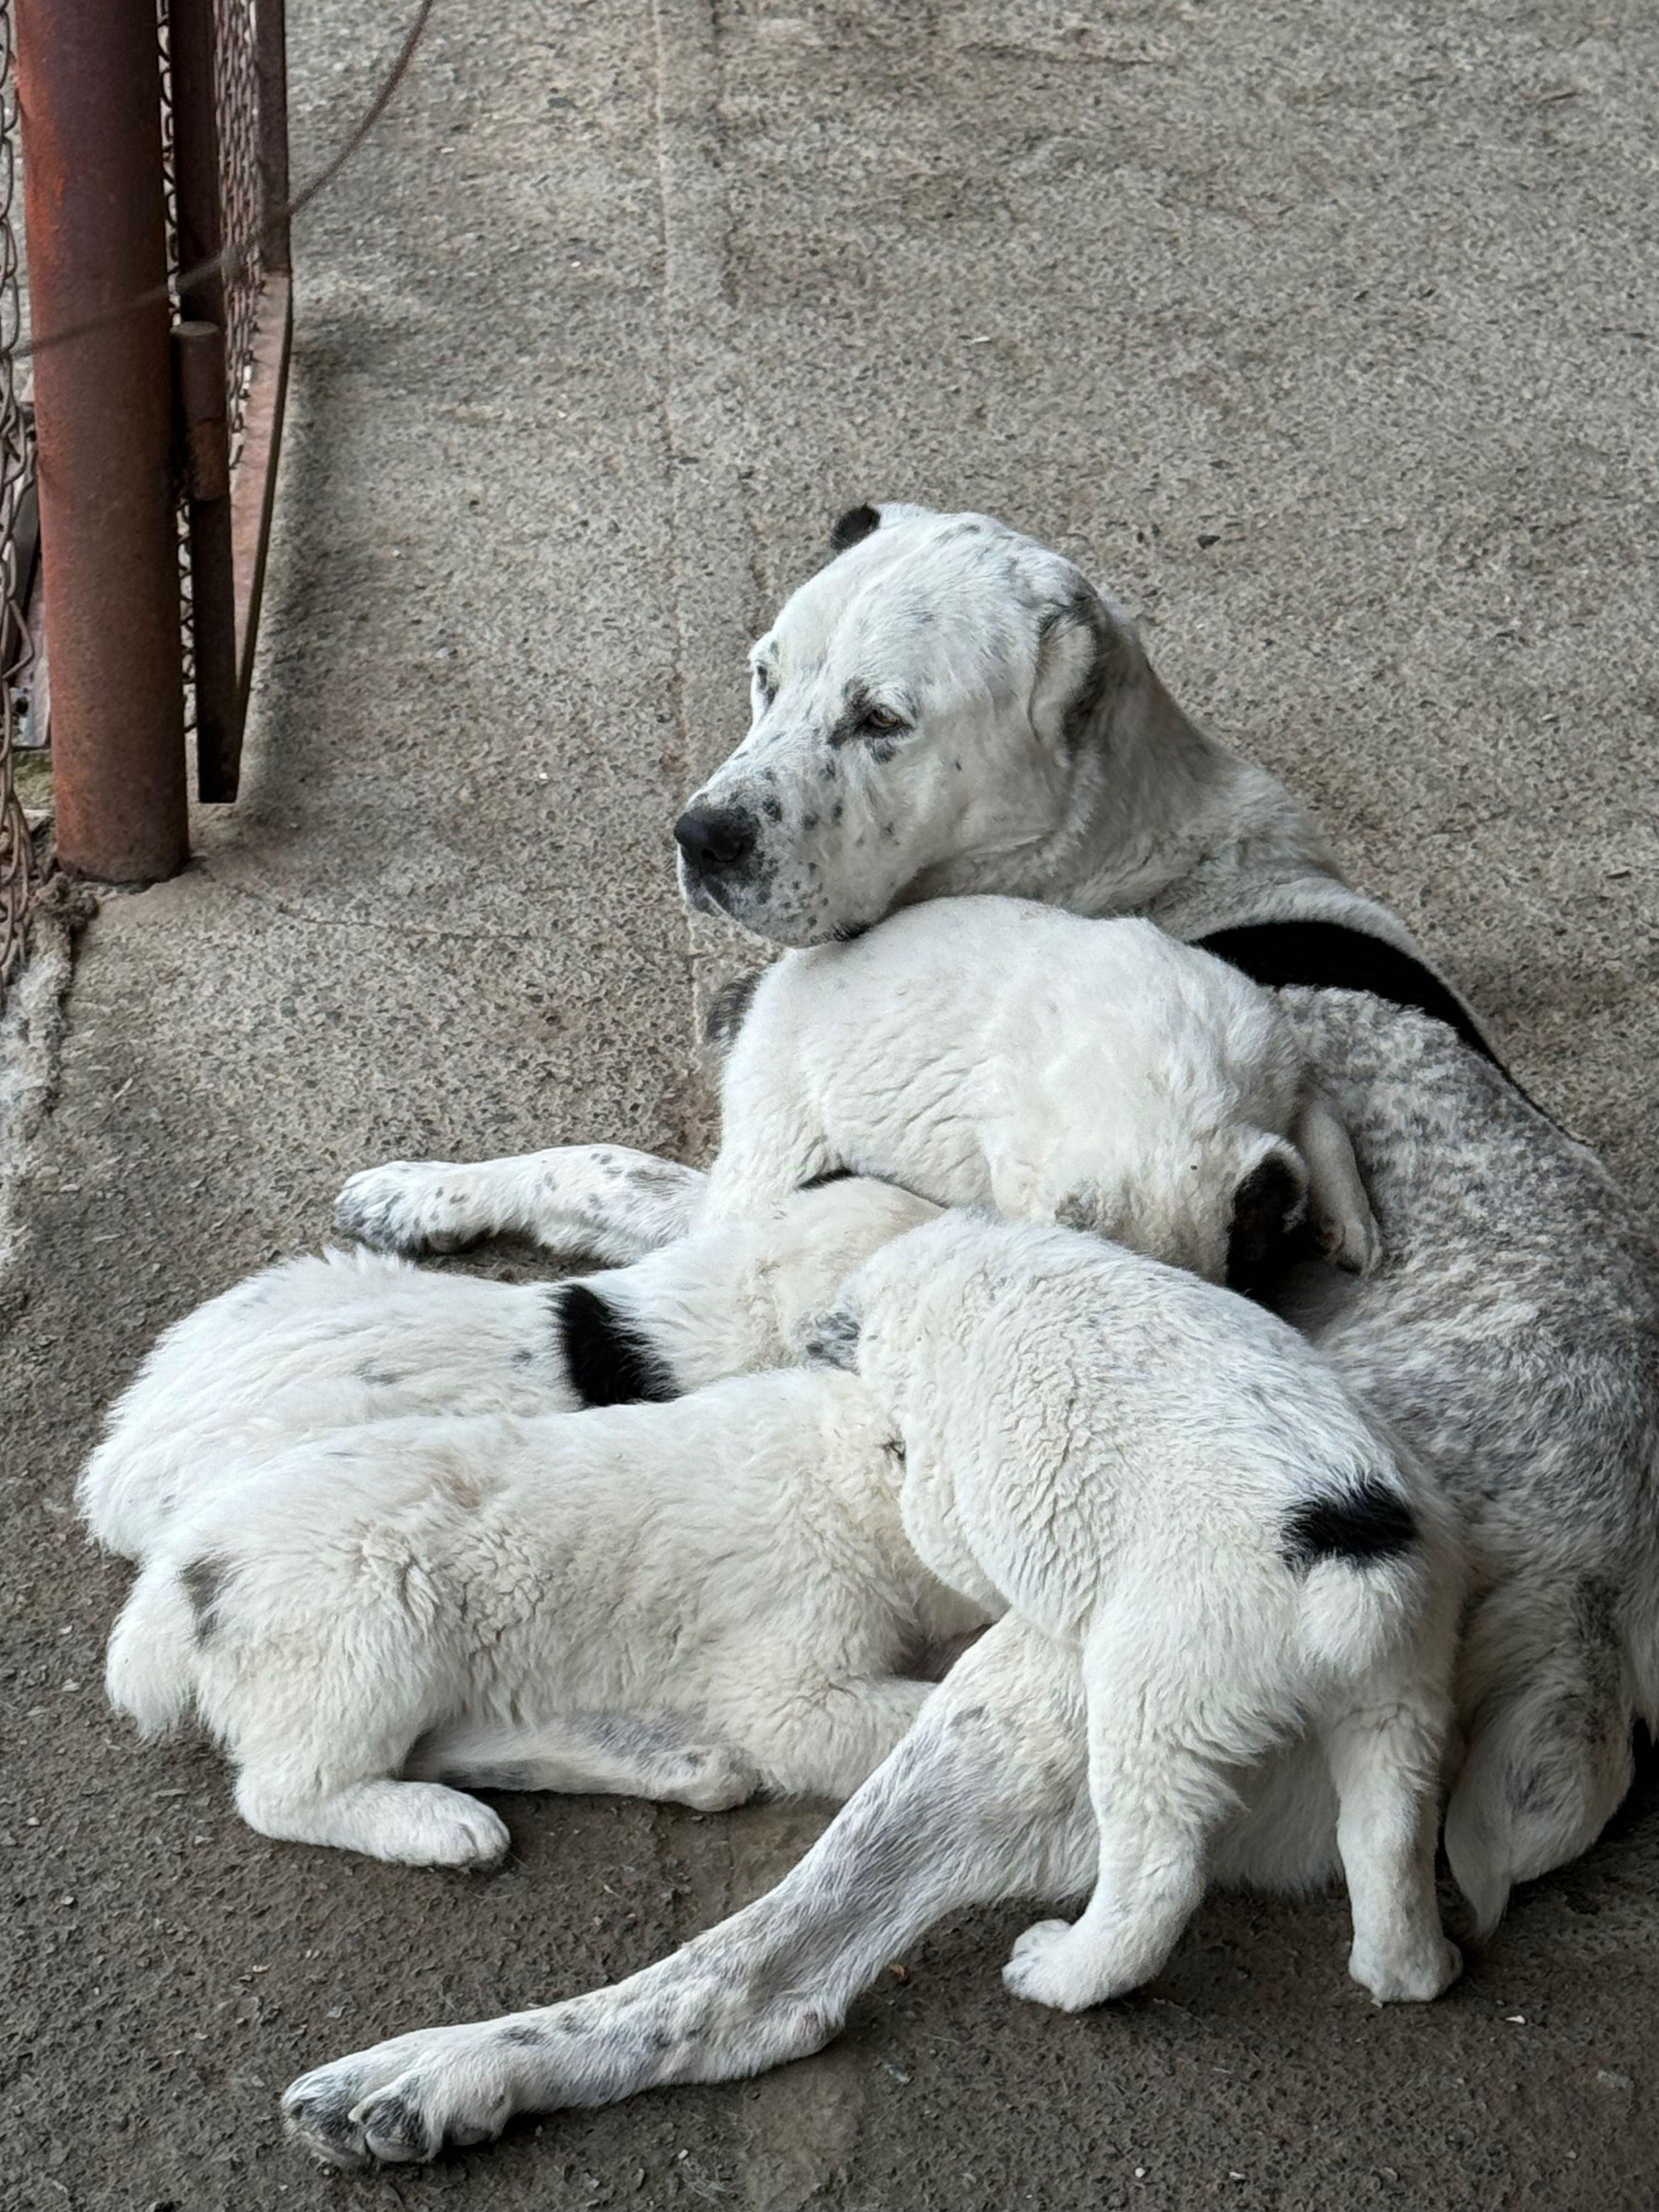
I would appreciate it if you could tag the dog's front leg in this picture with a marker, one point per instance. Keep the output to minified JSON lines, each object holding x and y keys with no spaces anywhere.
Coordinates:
{"x":986,"y":1798}
{"x":583,"y":1201}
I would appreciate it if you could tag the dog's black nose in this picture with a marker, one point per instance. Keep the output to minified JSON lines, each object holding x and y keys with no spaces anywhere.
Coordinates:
{"x":714,"y":837}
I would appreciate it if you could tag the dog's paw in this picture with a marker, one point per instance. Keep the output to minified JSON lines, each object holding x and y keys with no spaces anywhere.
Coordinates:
{"x":459,"y":1832}
{"x":710,"y":1778}
{"x":1051,"y":1966}
{"x":1415,"y":1978}
{"x":400,"y":2102}
{"x":408,"y":1207}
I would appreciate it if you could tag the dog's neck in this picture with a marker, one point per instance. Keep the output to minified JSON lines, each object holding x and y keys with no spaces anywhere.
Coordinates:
{"x":1167,"y":823}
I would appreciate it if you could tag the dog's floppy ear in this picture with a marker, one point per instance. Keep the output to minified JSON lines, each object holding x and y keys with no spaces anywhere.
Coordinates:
{"x":859,"y":522}
{"x":1270,"y":1206}
{"x":1342,"y":1217}
{"x":1080,"y":646}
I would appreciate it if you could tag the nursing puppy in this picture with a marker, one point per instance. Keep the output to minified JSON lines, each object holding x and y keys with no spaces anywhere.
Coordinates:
{"x":341,"y":1340}
{"x":687,"y":1601}
{"x":1170,"y":1483}
{"x":997,"y":1052}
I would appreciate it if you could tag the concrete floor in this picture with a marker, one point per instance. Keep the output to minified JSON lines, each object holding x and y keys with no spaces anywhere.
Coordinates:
{"x":1325,"y":336}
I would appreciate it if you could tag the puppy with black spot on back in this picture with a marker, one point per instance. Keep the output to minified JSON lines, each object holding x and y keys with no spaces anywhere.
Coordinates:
{"x":1171,"y":1481}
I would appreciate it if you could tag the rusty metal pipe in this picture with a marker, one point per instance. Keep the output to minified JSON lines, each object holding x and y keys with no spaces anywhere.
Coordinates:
{"x":89,"y":107}
{"x":198,"y":353}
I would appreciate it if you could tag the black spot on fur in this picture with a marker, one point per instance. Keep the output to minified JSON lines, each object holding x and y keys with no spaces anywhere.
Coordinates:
{"x":858,"y":522}
{"x":1268,"y":1210}
{"x":1329,"y":956}
{"x":608,"y":1363}
{"x":725,"y":1014}
{"x":834,"y":1341}
{"x":203,"y":1581}
{"x":1362,"y":1525}
{"x":522,"y":2037}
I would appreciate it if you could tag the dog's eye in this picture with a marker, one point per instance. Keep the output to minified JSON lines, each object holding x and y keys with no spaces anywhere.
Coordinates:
{"x":884,"y":720}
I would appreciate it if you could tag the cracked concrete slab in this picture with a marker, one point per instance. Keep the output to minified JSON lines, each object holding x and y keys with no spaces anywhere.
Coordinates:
{"x":1323,"y":338}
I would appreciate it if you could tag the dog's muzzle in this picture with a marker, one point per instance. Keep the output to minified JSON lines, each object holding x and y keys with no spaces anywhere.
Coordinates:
{"x":716,"y":847}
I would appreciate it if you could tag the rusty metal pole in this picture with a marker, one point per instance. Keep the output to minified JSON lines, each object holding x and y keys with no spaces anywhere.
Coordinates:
{"x":89,"y":106}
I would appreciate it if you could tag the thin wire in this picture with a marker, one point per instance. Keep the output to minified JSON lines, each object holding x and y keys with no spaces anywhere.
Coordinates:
{"x":232,"y":259}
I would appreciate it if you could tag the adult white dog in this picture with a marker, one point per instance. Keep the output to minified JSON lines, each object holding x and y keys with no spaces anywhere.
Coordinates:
{"x":949,"y":708}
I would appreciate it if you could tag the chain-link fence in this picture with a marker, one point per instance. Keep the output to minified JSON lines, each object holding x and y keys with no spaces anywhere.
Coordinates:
{"x":154,"y":159}
{"x":236,"y":103}
{"x":20,"y":868}
{"x":235,"y":134}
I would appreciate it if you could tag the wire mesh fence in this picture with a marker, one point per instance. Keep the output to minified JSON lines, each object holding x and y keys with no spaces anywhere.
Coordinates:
{"x":236,"y":103}
{"x":20,"y":868}
{"x":152,"y":153}
{"x":236,"y":139}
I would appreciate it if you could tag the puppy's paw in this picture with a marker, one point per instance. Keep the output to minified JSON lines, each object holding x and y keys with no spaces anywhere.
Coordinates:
{"x":408,"y":1207}
{"x":711,"y":1778}
{"x":461,"y":1833}
{"x":1051,"y":1966}
{"x":1413,"y":1978}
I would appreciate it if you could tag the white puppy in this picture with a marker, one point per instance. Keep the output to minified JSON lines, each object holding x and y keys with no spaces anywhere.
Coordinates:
{"x":1173,"y":1483}
{"x":1095,"y":1072}
{"x":328,"y":1342}
{"x":688,"y":1601}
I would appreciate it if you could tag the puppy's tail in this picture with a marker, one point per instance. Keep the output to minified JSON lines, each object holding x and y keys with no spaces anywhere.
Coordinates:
{"x":1548,"y":1715}
{"x":150,"y":1672}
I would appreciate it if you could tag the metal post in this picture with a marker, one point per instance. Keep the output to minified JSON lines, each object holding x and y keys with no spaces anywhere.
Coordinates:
{"x":270,"y":67}
{"x":89,"y":106}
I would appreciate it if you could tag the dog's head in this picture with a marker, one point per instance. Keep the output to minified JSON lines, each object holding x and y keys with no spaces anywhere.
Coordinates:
{"x":923,"y":709}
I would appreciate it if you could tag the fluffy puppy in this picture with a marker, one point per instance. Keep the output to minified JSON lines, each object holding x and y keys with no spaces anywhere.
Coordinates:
{"x":687,"y":1601}
{"x":1175,"y":1484}
{"x":327,"y":1343}
{"x":1094,"y":1073}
